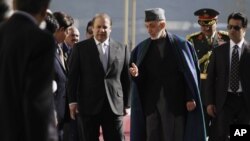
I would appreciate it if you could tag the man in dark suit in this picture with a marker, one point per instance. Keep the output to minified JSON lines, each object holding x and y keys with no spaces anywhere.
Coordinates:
{"x":60,"y":75}
{"x":228,"y":81}
{"x":89,"y":32}
{"x":71,"y":39}
{"x":99,"y":83}
{"x":204,"y":41}
{"x":166,"y":78}
{"x":26,"y":62}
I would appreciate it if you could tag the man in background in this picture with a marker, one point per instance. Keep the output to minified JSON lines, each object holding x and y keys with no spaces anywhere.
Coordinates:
{"x":72,"y":37}
{"x":89,"y":32}
{"x":204,"y":41}
{"x":61,"y":74}
{"x":228,"y":82}
{"x":26,"y":62}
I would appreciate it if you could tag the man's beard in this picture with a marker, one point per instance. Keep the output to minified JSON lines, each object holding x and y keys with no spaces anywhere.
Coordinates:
{"x":159,"y":35}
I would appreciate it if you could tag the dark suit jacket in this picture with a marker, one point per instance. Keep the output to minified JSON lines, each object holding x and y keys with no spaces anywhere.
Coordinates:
{"x":66,"y":51}
{"x":26,"y":69}
{"x":60,"y":77}
{"x":96,"y":86}
{"x":218,"y":75}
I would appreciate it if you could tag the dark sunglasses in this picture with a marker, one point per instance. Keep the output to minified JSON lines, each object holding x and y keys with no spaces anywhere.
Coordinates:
{"x":235,"y":27}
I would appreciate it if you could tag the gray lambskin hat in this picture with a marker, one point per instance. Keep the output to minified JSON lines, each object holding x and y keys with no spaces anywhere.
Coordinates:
{"x":154,"y":14}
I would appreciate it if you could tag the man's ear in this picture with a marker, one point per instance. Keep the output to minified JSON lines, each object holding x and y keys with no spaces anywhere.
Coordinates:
{"x":162,"y":25}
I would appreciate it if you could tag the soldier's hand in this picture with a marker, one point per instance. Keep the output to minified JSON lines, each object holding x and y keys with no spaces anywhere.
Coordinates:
{"x":211,"y":110}
{"x":134,"y":70}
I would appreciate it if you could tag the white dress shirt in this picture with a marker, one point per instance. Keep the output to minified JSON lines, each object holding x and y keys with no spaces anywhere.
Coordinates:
{"x":240,"y":50}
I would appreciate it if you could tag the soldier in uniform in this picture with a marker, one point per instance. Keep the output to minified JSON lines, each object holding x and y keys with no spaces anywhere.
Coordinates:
{"x":203,"y":42}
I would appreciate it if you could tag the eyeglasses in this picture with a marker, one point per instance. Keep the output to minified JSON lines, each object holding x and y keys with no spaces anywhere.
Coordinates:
{"x":235,"y":27}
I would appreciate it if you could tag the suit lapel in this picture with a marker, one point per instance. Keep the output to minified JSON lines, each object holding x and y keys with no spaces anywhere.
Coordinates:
{"x":226,"y":53}
{"x":246,"y":49}
{"x":61,"y":65}
{"x":93,"y":51}
{"x":113,"y":52}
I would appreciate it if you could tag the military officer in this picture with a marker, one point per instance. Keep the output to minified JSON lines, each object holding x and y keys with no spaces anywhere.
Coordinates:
{"x":204,"y":41}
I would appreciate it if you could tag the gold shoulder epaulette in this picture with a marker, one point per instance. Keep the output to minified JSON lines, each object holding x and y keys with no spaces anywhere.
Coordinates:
{"x":188,"y":37}
{"x":223,"y":32}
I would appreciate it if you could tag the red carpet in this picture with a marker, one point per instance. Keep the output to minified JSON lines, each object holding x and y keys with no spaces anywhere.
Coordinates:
{"x":126,"y":125}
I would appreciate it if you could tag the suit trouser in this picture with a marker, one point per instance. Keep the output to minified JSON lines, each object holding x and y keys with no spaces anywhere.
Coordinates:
{"x":112,"y":125}
{"x":207,"y":118}
{"x":70,"y":131}
{"x":79,"y":127}
{"x":162,"y":125}
{"x":233,"y":112}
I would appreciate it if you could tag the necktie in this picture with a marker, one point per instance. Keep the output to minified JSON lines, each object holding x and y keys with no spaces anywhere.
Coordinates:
{"x":103,"y":55}
{"x":234,"y":74}
{"x":61,"y":56}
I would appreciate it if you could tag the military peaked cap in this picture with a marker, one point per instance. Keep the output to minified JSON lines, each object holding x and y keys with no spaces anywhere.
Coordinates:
{"x":206,"y":16}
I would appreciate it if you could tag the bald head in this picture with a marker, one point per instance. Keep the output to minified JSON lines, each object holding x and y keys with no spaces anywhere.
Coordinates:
{"x":73,"y":36}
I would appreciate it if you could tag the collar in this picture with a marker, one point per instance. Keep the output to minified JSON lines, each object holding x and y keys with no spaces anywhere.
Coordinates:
{"x":240,"y":44}
{"x":210,"y":37}
{"x":106,"y":42}
{"x":66,"y":45}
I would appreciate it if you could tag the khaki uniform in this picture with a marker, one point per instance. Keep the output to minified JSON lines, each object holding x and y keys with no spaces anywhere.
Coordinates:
{"x":204,"y":46}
